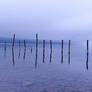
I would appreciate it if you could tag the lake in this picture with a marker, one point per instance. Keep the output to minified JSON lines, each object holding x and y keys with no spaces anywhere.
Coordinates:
{"x":25,"y":70}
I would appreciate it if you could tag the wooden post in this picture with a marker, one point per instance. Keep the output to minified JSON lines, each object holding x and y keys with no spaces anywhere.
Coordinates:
{"x":36,"y":50}
{"x":13,"y":41}
{"x":62,"y":52}
{"x":19,"y":49}
{"x":69,"y":51}
{"x":13,"y":49}
{"x":50,"y":50}
{"x":24,"y":49}
{"x":87,"y":54}
{"x":43,"y":50}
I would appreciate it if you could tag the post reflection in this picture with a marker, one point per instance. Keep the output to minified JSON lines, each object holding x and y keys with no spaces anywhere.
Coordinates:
{"x":43,"y":44}
{"x":5,"y":49}
{"x":31,"y":50}
{"x":13,"y":56}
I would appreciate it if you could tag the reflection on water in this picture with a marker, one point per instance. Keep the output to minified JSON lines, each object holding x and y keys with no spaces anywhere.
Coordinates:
{"x":13,"y":56}
{"x":5,"y":49}
{"x":31,"y":50}
{"x":44,"y":47}
{"x":62,"y":76}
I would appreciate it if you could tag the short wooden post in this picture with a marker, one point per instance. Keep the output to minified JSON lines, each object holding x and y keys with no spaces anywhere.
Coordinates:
{"x":19,"y":49}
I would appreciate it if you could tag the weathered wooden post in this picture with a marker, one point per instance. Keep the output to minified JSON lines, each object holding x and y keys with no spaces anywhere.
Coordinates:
{"x":43,"y":50}
{"x":13,"y":49}
{"x":36,"y":50}
{"x":24,"y":49}
{"x":19,"y":49}
{"x":50,"y":50}
{"x":62,"y":52}
{"x":87,"y":54}
{"x":13,"y":41}
{"x":69,"y":51}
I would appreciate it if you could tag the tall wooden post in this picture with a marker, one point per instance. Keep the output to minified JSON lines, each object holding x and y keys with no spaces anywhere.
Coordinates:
{"x":43,"y":50}
{"x":50,"y":50}
{"x":36,"y":50}
{"x":62,"y":52}
{"x":13,"y":49}
{"x":87,"y":54}
{"x":69,"y":51}
{"x":24,"y":49}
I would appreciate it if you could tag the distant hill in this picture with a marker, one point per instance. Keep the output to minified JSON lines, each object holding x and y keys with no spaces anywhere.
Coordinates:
{"x":9,"y":40}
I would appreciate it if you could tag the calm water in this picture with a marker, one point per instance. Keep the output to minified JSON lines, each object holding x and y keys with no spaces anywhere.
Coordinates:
{"x":25,"y":74}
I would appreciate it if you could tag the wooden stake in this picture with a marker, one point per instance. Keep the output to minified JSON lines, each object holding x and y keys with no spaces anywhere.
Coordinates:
{"x":50,"y":50}
{"x":62,"y":52}
{"x":36,"y":50}
{"x":69,"y":52}
{"x":24,"y":49}
{"x":43,"y":50}
{"x":19,"y":49}
{"x":13,"y":49}
{"x":87,"y":54}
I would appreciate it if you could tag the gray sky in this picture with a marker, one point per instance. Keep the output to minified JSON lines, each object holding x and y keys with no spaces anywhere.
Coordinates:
{"x":51,"y":19}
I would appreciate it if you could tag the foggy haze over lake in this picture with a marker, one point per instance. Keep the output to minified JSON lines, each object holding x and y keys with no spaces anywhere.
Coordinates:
{"x":51,"y":19}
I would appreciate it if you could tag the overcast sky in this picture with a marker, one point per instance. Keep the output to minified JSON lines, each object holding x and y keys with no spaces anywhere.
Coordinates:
{"x":51,"y":19}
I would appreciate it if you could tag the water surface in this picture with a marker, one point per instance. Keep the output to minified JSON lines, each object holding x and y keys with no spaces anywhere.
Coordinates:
{"x":25,"y":71}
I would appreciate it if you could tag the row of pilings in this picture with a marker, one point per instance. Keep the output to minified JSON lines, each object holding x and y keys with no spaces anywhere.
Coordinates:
{"x":44,"y":43}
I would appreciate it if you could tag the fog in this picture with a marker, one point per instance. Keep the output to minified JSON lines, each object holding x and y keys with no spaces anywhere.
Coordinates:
{"x":51,"y":19}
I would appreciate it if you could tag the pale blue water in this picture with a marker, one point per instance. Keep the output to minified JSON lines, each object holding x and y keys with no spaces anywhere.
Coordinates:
{"x":22,"y":76}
